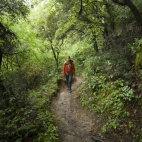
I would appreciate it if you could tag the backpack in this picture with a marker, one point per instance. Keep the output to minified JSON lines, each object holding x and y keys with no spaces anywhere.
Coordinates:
{"x":69,"y":65}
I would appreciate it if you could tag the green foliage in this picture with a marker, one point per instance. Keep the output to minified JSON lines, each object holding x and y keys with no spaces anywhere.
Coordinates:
{"x":27,"y":116}
{"x":137,"y":50}
{"x":16,"y":123}
{"x":108,"y":95}
{"x":10,"y":12}
{"x":108,"y":87}
{"x":14,"y":8}
{"x":50,"y":134}
{"x":40,"y":101}
{"x":28,"y":121}
{"x":31,"y":50}
{"x":48,"y":29}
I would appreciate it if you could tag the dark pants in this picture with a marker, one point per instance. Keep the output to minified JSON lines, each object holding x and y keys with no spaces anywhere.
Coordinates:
{"x":69,"y":80}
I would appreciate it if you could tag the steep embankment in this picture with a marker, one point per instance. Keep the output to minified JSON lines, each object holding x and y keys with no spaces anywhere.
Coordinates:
{"x":74,"y":123}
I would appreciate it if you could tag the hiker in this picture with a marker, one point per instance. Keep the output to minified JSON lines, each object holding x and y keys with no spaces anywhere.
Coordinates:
{"x":68,"y":71}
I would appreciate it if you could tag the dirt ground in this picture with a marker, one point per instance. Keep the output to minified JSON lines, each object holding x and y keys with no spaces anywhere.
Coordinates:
{"x":74,"y":123}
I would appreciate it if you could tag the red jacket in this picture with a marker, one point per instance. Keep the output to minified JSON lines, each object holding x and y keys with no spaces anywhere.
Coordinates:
{"x":68,"y":68}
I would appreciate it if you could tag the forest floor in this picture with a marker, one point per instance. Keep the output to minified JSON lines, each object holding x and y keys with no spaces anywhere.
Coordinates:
{"x":75,"y":124}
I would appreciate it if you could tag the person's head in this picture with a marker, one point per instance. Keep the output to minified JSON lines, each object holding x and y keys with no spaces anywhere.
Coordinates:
{"x":68,"y":57}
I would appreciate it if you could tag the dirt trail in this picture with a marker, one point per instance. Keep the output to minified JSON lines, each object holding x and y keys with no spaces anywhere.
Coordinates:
{"x":74,"y":123}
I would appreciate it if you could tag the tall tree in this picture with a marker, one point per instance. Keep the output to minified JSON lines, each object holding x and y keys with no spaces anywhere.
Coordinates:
{"x":10,"y":13}
{"x":48,"y":25}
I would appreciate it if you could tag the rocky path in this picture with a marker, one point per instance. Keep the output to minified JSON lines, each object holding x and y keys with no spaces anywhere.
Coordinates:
{"x":74,"y":123}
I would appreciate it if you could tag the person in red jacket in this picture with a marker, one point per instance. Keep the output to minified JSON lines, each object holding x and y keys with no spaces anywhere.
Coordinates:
{"x":68,"y":71}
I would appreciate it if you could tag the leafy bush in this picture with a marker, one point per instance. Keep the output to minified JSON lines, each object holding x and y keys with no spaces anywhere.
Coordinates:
{"x":26,"y":115}
{"x":33,"y":121}
{"x":109,"y":89}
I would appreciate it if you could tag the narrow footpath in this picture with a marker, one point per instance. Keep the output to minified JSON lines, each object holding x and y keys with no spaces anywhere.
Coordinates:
{"x":74,"y":123}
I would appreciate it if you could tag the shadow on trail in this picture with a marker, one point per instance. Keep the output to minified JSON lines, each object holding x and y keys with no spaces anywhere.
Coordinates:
{"x":74,"y":124}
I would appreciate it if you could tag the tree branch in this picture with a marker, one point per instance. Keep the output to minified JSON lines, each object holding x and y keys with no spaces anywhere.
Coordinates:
{"x":135,"y":11}
{"x":81,"y":7}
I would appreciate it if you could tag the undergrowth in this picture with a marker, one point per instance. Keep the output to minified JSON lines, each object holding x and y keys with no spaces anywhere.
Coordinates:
{"x":109,"y":88}
{"x":25,"y":108}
